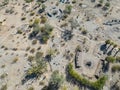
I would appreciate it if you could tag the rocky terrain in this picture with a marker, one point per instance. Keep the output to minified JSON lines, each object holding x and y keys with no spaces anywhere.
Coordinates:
{"x":59,"y":45}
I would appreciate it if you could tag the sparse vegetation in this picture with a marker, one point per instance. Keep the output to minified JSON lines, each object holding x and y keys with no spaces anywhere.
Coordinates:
{"x":110,"y":59}
{"x":28,"y":1}
{"x":38,"y":38}
{"x":15,"y":60}
{"x":118,"y":59}
{"x":30,"y":58}
{"x":32,"y":50}
{"x":23,"y":18}
{"x":19,"y":32}
{"x":56,"y":80}
{"x":34,"y":42}
{"x":37,"y":70}
{"x":97,"y":85}
{"x":4,"y":87}
{"x":3,"y":75}
{"x":31,"y":88}
{"x":68,"y":9}
{"x":115,"y":68}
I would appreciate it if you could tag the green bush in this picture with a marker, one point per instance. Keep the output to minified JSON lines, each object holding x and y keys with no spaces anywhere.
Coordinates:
{"x":115,"y":68}
{"x":56,"y":80}
{"x":107,"y":4}
{"x":118,"y":59}
{"x":97,"y":85}
{"x":110,"y":59}
{"x":28,"y":1}
{"x":68,"y":9}
{"x":37,"y":70}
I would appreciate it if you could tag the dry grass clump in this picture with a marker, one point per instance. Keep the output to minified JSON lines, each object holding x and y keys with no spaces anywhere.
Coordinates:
{"x":3,"y":75}
{"x":4,"y":87}
{"x":30,"y":58}
{"x":28,"y":48}
{"x":30,"y":88}
{"x":15,"y":60}
{"x":32,"y":50}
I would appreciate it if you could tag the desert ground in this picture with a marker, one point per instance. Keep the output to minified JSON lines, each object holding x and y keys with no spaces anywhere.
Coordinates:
{"x":87,"y":25}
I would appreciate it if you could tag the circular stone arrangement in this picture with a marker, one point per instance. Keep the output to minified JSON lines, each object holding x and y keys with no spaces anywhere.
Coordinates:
{"x":89,"y":64}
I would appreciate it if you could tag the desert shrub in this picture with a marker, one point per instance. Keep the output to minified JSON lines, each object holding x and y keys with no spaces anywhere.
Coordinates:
{"x":74,"y":1}
{"x":56,"y":80}
{"x":5,"y":48}
{"x":39,"y":48}
{"x":84,"y":32}
{"x":28,"y":48}
{"x":41,"y":83}
{"x":3,"y":66}
{"x":3,"y":75}
{"x":32,"y":50}
{"x":43,"y":19}
{"x":23,"y":18}
{"x":110,"y":59}
{"x":78,"y":48}
{"x":15,"y":60}
{"x":107,"y":4}
{"x":4,"y":87}
{"x":30,"y":58}
{"x":115,"y":68}
{"x":42,"y":1}
{"x":2,"y":46}
{"x":36,"y":21}
{"x":64,"y":88}
{"x":118,"y":59}
{"x":101,"y":1}
{"x":19,"y":32}
{"x":30,"y":88}
{"x":97,"y":85}
{"x":37,"y":70}
{"x":14,"y":49}
{"x":68,"y":9}
{"x":28,"y":1}
{"x":34,"y":42}
{"x":36,"y":30}
{"x":32,"y":13}
{"x":45,"y":34}
{"x":39,"y":54}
